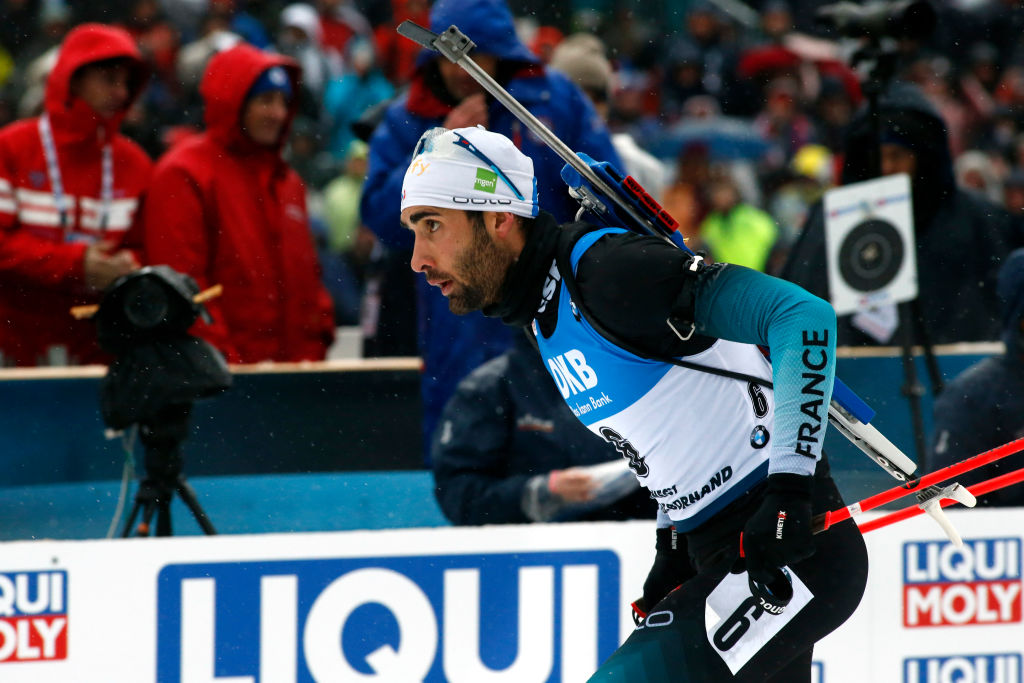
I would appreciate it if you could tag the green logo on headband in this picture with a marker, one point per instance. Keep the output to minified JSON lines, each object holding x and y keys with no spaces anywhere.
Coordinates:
{"x":486,"y":181}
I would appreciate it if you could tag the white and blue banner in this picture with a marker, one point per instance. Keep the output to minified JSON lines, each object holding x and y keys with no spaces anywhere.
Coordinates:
{"x":516,"y":604}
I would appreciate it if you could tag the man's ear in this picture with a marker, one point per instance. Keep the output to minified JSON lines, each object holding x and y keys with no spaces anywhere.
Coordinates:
{"x":501,"y":223}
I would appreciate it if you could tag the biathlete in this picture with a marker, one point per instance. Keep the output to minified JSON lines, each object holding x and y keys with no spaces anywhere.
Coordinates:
{"x":657,"y":353}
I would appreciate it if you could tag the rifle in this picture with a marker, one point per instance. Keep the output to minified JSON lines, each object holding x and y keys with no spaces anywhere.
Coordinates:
{"x":618,"y":200}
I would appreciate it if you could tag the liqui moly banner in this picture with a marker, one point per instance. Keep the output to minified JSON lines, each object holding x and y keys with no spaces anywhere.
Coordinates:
{"x":979,"y":583}
{"x":516,"y":604}
{"x":33,"y":616}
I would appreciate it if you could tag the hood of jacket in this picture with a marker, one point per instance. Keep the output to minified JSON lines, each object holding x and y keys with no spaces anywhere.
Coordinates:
{"x":909,"y":119}
{"x":72,"y":119}
{"x":489,"y":24}
{"x":228,"y":78}
{"x":1011,"y":292}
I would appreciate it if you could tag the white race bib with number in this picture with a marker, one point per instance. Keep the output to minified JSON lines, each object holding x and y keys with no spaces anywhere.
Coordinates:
{"x":737,"y":626}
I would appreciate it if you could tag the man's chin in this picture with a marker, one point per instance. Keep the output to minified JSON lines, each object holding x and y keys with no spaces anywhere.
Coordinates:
{"x":461,"y":305}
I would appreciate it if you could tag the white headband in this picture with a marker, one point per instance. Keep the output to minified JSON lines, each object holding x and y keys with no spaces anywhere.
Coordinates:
{"x":472,"y":169}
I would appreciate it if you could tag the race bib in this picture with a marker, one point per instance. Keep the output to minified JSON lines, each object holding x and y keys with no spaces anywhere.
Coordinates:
{"x":737,"y":626}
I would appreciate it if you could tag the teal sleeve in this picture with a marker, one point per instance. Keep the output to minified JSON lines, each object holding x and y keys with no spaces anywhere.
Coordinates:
{"x":799,"y":329}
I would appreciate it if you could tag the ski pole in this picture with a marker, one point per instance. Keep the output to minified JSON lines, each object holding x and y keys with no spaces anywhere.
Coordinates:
{"x":927,"y":498}
{"x":979,"y":489}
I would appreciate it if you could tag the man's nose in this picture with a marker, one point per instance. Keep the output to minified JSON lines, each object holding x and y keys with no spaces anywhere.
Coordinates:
{"x":121,"y":90}
{"x":420,"y":261}
{"x":280,"y":110}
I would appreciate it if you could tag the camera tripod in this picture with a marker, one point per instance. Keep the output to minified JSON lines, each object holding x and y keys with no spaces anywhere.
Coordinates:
{"x":162,"y":438}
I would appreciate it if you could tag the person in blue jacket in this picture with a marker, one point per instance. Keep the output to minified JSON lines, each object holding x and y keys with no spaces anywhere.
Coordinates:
{"x":657,"y":354}
{"x":983,"y":407}
{"x":442,"y":94}
{"x":509,"y":451}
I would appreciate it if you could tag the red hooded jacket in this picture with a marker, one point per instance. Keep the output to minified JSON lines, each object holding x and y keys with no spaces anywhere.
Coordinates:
{"x":41,"y":264}
{"x":228,"y":211}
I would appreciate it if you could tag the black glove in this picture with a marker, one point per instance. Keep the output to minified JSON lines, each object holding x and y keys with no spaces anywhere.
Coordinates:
{"x":779,"y":532}
{"x":671,"y":568}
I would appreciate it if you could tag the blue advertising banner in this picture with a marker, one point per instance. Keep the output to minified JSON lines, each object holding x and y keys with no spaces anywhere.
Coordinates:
{"x":467,"y":617}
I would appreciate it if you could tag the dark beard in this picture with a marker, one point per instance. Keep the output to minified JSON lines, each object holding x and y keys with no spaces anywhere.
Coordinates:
{"x":482,"y":266}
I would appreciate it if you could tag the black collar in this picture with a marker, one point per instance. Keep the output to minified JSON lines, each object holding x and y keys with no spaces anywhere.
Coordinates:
{"x":524,"y":282}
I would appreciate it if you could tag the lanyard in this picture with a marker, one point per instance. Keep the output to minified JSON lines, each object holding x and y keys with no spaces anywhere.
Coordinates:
{"x":57,"y":185}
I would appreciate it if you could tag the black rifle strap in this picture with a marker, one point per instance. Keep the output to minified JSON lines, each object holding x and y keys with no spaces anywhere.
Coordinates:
{"x":569,"y":277}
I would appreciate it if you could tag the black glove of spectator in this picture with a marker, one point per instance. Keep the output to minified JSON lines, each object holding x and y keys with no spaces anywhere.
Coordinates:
{"x":779,"y":532}
{"x":671,"y":568}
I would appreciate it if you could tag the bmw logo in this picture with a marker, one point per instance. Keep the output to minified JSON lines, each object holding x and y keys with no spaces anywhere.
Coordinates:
{"x":759,"y":437}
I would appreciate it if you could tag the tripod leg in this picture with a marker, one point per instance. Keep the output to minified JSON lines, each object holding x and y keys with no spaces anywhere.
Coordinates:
{"x":163,"y":516}
{"x":127,"y":530}
{"x":188,"y":495}
{"x":148,"y":508}
{"x":912,"y":387}
{"x":929,"y":351}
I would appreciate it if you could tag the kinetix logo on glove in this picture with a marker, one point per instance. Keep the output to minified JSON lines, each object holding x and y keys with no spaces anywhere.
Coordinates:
{"x":779,"y":523}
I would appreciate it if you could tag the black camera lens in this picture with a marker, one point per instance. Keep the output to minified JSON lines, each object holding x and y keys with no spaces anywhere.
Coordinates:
{"x":145,"y":303}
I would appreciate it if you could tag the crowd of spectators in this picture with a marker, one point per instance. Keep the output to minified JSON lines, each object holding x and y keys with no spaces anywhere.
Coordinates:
{"x":745,"y":108}
{"x":737,"y":116}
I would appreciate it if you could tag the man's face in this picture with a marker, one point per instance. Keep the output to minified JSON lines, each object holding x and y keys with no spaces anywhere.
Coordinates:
{"x":265,"y":116}
{"x":458,"y":82}
{"x":458,"y":254}
{"x":898,"y":159}
{"x":105,"y":87}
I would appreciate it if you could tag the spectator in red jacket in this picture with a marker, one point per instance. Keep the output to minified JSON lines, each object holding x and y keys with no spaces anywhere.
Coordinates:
{"x":226,"y":209}
{"x":70,"y":185}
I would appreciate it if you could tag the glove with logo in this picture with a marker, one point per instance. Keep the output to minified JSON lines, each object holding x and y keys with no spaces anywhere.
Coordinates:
{"x":779,"y":532}
{"x":670,"y":569}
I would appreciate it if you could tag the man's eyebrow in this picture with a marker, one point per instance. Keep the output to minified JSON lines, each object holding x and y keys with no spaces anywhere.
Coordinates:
{"x":417,"y":217}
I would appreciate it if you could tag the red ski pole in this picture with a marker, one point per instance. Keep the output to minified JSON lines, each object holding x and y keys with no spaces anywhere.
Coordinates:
{"x":824,"y":521}
{"x":979,"y":489}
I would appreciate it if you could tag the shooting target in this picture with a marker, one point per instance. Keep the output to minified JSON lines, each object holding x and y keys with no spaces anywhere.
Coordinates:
{"x":871,"y":255}
{"x":869,"y":237}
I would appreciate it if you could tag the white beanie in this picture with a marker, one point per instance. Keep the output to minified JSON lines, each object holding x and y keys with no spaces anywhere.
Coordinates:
{"x":470,"y":168}
{"x":303,"y":17}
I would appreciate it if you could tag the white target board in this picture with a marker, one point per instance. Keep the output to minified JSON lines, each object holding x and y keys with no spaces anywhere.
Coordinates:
{"x":869,"y":244}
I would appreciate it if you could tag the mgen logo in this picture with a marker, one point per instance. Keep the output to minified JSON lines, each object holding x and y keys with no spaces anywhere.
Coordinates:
{"x":33,"y":616}
{"x":948,"y":586}
{"x":529,"y":616}
{"x":486,"y":181}
{"x":1001,"y":668}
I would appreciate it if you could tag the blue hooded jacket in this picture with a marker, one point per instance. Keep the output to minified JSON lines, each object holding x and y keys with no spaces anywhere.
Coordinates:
{"x":452,"y":346}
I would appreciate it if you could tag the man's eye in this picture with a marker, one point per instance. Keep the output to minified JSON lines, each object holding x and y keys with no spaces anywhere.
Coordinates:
{"x":432,"y":226}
